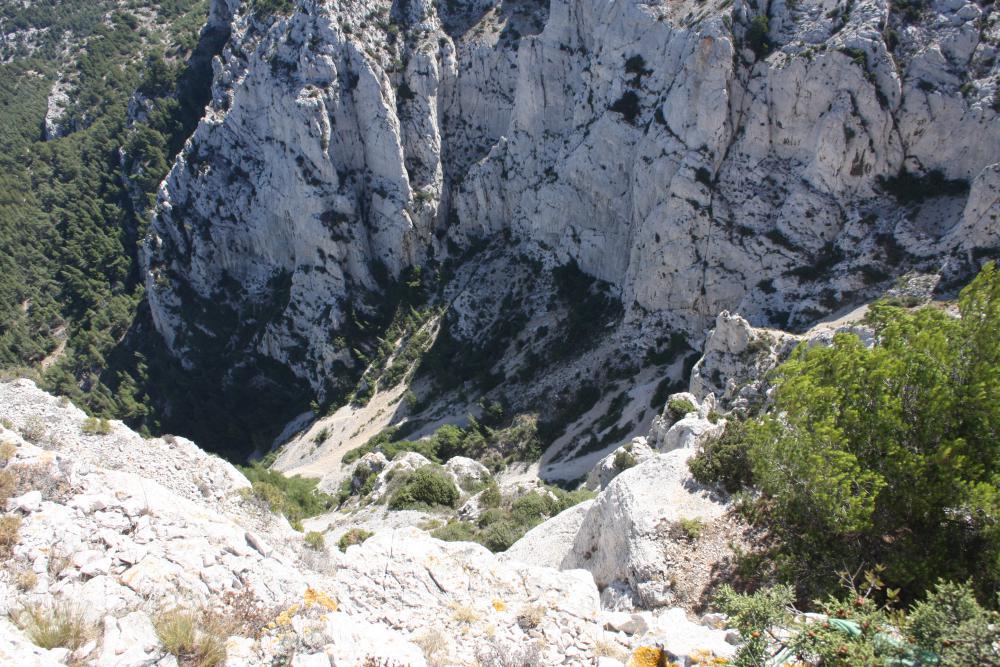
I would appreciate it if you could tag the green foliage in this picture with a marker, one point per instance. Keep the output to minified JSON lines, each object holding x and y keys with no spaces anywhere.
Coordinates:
{"x":295,"y":497}
{"x":754,"y":616}
{"x":314,"y":540}
{"x":490,"y":496}
{"x":678,"y":407}
{"x":264,"y":8}
{"x":95,"y":426}
{"x":506,"y":522}
{"x":951,"y":624}
{"x":456,"y":531}
{"x":429,"y":486}
{"x":353,"y":536}
{"x":890,"y":453}
{"x":757,"y":36}
{"x":624,"y":460}
{"x":518,"y":440}
{"x":69,"y":284}
{"x":946,"y":629}
{"x":691,"y":529}
{"x":724,"y":461}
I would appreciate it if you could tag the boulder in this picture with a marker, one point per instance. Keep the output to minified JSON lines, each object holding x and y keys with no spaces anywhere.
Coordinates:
{"x":607,"y":468}
{"x":548,"y":544}
{"x":619,"y":539}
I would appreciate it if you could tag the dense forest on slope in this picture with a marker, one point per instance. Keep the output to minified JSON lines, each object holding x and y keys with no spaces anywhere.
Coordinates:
{"x":70,"y":289}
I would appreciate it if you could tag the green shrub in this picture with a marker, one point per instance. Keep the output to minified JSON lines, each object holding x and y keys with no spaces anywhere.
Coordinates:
{"x":428,"y":486}
{"x":95,"y":426}
{"x":952,"y":625}
{"x":677,"y":408}
{"x":491,"y":516}
{"x":724,"y":461}
{"x":490,"y":497}
{"x":532,"y":507}
{"x":947,"y":629}
{"x":757,"y":36}
{"x":294,"y":497}
{"x":353,"y":536}
{"x":499,"y":535}
{"x":624,"y":460}
{"x":314,"y":540}
{"x":691,"y":529}
{"x":753,"y":616}
{"x":890,"y":453}
{"x":322,"y":436}
{"x":456,"y":531}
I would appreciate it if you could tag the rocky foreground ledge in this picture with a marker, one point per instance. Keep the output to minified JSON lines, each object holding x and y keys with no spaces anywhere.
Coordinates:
{"x":115,"y":545}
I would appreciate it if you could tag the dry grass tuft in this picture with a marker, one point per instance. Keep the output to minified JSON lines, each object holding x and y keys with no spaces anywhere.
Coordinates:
{"x":187,"y":636}
{"x":10,"y":533}
{"x":8,"y":487}
{"x":7,"y":451}
{"x":531,"y":616}
{"x":34,"y":429}
{"x":463,"y":613}
{"x":26,"y":580}
{"x":60,"y":625}
{"x":434,"y":646}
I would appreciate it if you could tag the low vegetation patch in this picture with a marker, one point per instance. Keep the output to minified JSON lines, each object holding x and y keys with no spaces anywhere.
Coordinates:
{"x":314,"y":540}
{"x":505,"y":521}
{"x":295,"y":497}
{"x":185,"y":635}
{"x":57,"y":625}
{"x":429,"y":486}
{"x":494,"y":441}
{"x":10,"y":533}
{"x":96,"y":426}
{"x":353,"y":536}
{"x":864,"y":626}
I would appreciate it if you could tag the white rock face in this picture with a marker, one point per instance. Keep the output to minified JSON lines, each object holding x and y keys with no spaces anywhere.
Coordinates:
{"x":645,"y":142}
{"x":619,"y":541}
{"x":117,"y":525}
{"x":669,"y":431}
{"x":607,"y":468}
{"x":548,"y":544}
{"x":736,"y":359}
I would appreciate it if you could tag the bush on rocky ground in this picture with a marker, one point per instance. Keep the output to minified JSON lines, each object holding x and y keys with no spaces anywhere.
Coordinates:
{"x":353,"y":536}
{"x":295,"y":497}
{"x":55,"y":625}
{"x":505,"y":521}
{"x":886,"y":454}
{"x":429,"y":486}
{"x":724,"y":461}
{"x":862,"y":626}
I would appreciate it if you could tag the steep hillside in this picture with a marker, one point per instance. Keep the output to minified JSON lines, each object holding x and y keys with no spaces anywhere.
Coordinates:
{"x":379,"y":185}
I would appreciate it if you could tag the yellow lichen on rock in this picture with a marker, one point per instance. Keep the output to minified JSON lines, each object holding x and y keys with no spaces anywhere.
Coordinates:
{"x":708,"y":659}
{"x":499,"y":605}
{"x":315,"y":597}
{"x":650,"y":656}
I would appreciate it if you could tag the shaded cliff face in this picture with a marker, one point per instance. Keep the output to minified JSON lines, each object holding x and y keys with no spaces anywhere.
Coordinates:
{"x":693,"y":155}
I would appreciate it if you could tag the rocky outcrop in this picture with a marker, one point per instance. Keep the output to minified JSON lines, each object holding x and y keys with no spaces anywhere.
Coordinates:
{"x":671,"y":430}
{"x":120,"y":527}
{"x":694,"y":163}
{"x":619,"y":541}
{"x":617,"y":462}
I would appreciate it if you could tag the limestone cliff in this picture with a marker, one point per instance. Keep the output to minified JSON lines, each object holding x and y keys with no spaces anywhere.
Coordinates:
{"x":778,"y":159}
